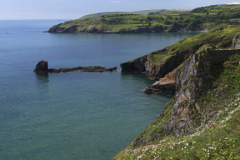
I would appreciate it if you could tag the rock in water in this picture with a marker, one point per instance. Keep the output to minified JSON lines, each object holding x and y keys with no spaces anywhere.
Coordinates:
{"x":41,"y":67}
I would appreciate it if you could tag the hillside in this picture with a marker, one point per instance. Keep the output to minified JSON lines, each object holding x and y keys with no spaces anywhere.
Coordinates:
{"x":202,"y":120}
{"x":200,"y":19}
{"x":145,"y":12}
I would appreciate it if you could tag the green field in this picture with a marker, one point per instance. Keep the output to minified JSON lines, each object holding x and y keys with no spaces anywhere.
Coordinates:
{"x":144,"y":12}
{"x":198,"y":19}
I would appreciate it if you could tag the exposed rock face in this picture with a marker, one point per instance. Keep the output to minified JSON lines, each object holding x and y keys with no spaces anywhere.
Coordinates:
{"x":41,"y":67}
{"x":192,"y":81}
{"x":137,"y":65}
{"x":236,"y":41}
{"x":185,"y":111}
{"x":152,"y":71}
{"x":166,"y":84}
{"x":156,"y":72}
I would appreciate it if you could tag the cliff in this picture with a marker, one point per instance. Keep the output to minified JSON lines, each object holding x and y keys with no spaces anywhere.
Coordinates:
{"x":204,"y":110}
{"x":158,"y":64}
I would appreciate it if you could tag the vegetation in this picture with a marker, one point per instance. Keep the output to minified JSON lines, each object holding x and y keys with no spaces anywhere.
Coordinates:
{"x":221,"y":37}
{"x":216,"y":139}
{"x":145,"y":12}
{"x":157,"y":20}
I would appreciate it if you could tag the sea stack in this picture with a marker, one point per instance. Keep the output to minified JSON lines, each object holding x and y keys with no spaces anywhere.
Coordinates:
{"x":41,"y":67}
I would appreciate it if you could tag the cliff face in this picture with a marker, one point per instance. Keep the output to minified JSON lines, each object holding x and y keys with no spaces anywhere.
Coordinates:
{"x":166,"y":84}
{"x":194,"y":79}
{"x":163,"y":63}
{"x":154,"y":71}
{"x":137,"y":65}
{"x":191,"y":82}
{"x":205,"y":86}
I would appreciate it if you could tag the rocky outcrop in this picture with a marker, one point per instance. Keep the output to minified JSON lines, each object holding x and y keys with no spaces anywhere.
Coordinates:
{"x":137,"y":65}
{"x":152,"y":70}
{"x":156,"y":72}
{"x":42,"y":67}
{"x":191,"y":82}
{"x":82,"y":69}
{"x":166,"y":84}
{"x":236,"y":41}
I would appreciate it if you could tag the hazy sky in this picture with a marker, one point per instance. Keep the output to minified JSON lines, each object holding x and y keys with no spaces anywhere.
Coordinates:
{"x":73,"y":9}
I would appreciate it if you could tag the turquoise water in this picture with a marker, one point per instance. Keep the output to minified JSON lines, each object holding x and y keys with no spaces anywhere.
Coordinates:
{"x":73,"y":115}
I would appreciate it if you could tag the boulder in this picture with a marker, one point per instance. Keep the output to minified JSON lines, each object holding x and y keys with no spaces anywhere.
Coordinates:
{"x":41,"y":67}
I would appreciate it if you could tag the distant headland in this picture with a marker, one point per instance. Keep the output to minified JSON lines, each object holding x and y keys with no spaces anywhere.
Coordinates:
{"x":199,"y":19}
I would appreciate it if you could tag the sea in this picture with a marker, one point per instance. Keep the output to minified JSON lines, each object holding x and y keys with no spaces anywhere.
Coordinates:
{"x":75,"y":115}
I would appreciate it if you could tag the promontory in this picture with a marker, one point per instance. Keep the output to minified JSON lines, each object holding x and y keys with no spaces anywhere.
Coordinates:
{"x":199,"y":19}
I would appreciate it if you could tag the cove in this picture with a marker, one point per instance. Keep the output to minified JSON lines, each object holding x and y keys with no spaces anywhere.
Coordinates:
{"x":75,"y":115}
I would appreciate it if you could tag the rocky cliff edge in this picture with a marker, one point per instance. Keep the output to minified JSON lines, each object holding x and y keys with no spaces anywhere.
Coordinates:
{"x":206,"y":85}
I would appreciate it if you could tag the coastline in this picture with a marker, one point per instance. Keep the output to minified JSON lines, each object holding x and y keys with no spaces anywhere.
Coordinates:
{"x":125,"y":31}
{"x":200,"y":78}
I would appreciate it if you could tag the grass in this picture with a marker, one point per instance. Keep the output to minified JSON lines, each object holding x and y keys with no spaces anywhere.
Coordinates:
{"x":215,"y":139}
{"x":167,"y":20}
{"x":221,"y":37}
{"x":144,"y":12}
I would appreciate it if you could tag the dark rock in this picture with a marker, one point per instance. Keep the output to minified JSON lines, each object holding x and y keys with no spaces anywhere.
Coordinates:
{"x":41,"y":67}
{"x":83,"y":69}
{"x":137,"y":65}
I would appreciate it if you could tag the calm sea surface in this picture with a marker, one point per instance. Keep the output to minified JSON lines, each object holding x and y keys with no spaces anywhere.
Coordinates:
{"x":68,"y":116}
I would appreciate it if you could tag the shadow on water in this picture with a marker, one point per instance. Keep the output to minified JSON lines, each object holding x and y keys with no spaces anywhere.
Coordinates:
{"x":135,"y":81}
{"x":136,"y":78}
{"x":42,"y":81}
{"x":42,"y":78}
{"x":139,"y":82}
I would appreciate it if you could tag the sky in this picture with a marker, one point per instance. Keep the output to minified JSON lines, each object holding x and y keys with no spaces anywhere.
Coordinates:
{"x":73,"y":9}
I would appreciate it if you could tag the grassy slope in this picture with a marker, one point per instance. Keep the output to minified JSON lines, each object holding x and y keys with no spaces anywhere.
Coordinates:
{"x":218,"y":139}
{"x":144,"y":12}
{"x":220,"y":36}
{"x":214,"y":9}
{"x":198,"y":19}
